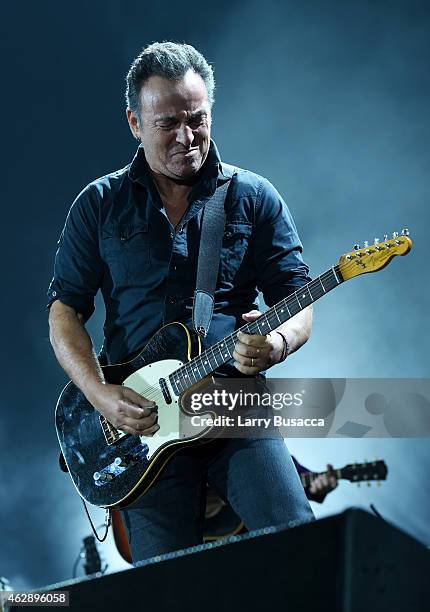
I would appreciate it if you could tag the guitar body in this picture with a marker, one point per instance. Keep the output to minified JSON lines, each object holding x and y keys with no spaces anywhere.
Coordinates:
{"x":224,"y":524}
{"x":112,"y":469}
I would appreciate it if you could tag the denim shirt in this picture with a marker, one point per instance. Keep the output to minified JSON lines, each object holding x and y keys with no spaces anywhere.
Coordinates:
{"x":118,"y":238}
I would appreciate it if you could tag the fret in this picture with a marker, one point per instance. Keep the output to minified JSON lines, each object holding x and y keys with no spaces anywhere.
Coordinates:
{"x":303,"y":297}
{"x":330,"y":280}
{"x":275,"y":310}
{"x":192,"y":372}
{"x":203,"y":365}
{"x":335,"y":275}
{"x":292,"y":305}
{"x":215,"y":359}
{"x":317,"y":289}
{"x":320,"y":279}
{"x":284,"y":306}
{"x":186,"y":375}
{"x":175,"y":381}
{"x":214,"y":348}
{"x":196,"y":369}
{"x":271,"y":321}
{"x":224,"y":347}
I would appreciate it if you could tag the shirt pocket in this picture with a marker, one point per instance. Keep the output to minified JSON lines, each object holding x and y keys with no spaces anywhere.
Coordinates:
{"x":234,"y":247}
{"x":126,"y":251}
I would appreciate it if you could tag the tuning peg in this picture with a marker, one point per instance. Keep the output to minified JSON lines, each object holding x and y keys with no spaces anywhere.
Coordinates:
{"x":366,"y":244}
{"x":378,"y":484}
{"x":356,"y":247}
{"x":395,"y":234}
{"x":369,"y":484}
{"x":376,"y":241}
{"x":405,"y":232}
{"x":358,"y":484}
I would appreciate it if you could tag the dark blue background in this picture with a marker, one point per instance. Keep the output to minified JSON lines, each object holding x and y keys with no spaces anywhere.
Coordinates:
{"x":328,"y":100}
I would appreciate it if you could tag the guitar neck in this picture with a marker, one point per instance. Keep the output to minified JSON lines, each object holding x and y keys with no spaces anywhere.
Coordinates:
{"x":221,"y":352}
{"x":357,"y":472}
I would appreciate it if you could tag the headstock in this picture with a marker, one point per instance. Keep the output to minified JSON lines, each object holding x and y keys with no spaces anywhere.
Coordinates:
{"x":374,"y":257}
{"x":358,"y":472}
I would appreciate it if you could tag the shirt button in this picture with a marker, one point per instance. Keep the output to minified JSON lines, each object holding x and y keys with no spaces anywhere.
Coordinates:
{"x":54,"y":293}
{"x":171,"y":234}
{"x":122,"y":238}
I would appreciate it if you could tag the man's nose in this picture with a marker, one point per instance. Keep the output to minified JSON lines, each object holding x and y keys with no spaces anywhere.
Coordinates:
{"x":185,"y":135}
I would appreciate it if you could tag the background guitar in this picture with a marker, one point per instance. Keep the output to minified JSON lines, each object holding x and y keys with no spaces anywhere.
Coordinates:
{"x":220,"y":519}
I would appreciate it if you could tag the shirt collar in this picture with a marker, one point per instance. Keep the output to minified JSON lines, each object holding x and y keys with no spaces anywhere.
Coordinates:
{"x":212,"y":168}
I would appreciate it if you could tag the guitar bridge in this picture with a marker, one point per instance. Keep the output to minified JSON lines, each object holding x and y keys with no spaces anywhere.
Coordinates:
{"x":120,"y":464}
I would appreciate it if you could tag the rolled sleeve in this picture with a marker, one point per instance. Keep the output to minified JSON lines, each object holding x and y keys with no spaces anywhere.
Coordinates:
{"x":277,"y":247}
{"x":78,"y":267}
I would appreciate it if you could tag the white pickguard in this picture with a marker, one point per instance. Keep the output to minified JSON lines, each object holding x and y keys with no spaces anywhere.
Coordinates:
{"x":172,"y":422}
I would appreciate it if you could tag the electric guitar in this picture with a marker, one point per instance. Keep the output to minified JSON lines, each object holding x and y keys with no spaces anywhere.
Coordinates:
{"x":110,"y":468}
{"x":221,"y":521}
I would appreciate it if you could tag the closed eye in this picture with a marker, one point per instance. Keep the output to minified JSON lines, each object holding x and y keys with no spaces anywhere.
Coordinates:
{"x":169,"y":125}
{"x":193,"y":122}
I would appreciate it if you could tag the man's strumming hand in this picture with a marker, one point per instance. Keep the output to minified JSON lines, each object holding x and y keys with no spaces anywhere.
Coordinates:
{"x":125,"y":409}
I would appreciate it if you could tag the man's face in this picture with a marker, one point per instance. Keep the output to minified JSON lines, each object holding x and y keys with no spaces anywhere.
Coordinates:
{"x":174,"y":126}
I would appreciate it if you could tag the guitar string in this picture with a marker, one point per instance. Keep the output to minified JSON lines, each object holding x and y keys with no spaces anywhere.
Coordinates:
{"x":289,"y":300}
{"x":154,"y":392}
{"x":210,"y":351}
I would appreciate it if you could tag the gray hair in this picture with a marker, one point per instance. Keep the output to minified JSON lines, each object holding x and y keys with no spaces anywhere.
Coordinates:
{"x":171,"y":61}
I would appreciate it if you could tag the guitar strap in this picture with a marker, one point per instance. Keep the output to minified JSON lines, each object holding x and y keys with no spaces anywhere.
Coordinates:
{"x":212,"y":232}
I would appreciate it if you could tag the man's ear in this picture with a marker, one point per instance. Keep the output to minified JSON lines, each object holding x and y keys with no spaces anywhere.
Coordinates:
{"x":133,"y":124}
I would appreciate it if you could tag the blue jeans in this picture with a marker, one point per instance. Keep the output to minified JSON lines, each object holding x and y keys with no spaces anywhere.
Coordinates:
{"x":255,"y":475}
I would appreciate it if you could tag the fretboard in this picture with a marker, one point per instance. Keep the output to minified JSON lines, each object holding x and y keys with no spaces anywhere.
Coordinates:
{"x":222,"y":351}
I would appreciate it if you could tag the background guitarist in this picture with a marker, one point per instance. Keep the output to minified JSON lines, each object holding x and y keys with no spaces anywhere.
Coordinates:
{"x":221,"y":520}
{"x":134,"y":235}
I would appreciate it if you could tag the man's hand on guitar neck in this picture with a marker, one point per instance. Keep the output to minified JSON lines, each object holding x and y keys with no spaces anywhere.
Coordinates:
{"x":255,"y":352}
{"x":125,"y":409}
{"x":322,"y":484}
